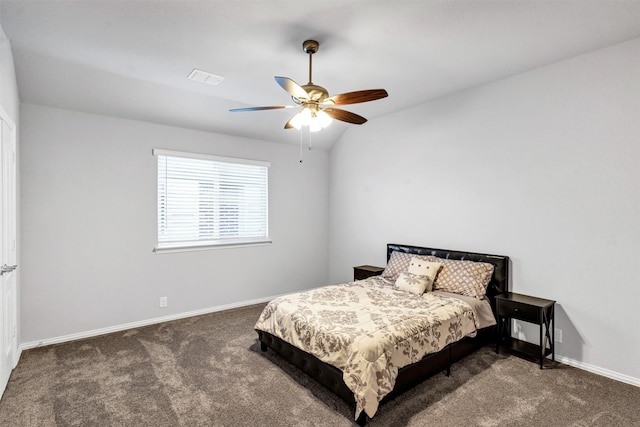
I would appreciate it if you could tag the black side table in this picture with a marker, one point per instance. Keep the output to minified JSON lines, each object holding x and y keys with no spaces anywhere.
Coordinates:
{"x":363,"y":271}
{"x":529,"y":309}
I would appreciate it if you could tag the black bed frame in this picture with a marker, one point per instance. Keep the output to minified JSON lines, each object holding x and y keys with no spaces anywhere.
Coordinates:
{"x":408,"y":376}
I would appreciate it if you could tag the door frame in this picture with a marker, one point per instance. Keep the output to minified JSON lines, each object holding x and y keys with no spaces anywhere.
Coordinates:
{"x":9,"y":358}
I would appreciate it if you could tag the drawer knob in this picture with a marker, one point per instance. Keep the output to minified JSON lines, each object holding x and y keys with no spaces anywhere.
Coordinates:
{"x":516,"y":310}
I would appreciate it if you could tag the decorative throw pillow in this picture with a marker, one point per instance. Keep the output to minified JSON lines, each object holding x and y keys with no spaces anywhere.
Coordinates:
{"x":414,"y":283}
{"x":422,"y":267}
{"x":463,"y":277}
{"x":398,"y":262}
{"x":419,"y":277}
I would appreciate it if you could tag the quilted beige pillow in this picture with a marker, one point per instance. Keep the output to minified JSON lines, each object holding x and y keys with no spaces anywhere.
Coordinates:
{"x":463,"y":277}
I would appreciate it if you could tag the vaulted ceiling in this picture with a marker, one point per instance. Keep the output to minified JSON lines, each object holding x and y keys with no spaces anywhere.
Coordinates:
{"x":131,"y":59}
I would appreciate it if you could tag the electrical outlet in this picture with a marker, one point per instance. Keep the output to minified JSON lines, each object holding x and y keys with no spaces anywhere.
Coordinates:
{"x":558,"y":335}
{"x":163,"y":302}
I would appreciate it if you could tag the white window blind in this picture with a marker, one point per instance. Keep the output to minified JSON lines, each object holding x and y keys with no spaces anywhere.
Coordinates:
{"x":210,"y":201}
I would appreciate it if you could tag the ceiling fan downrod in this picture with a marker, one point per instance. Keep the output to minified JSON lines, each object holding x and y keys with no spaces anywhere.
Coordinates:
{"x":310,"y":47}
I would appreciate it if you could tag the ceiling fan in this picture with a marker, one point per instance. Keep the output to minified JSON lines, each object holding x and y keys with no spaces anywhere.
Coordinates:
{"x":317,"y":106}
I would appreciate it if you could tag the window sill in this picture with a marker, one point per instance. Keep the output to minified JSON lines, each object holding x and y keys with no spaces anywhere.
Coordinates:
{"x":194,"y":248}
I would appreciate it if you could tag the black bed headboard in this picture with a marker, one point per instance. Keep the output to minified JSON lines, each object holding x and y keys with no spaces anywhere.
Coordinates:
{"x":500,"y":280}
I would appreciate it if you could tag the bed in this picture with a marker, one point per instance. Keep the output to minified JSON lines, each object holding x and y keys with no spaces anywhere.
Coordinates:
{"x":370,"y":340}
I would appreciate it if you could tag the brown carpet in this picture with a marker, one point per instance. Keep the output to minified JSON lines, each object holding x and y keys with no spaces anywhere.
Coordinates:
{"x":209,"y":371}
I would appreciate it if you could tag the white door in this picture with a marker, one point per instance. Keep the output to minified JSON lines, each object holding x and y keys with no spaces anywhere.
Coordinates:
{"x":8,"y":251}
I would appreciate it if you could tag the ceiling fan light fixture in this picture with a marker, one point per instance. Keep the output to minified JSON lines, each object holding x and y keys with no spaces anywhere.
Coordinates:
{"x":315,"y":120}
{"x":296,"y":121}
{"x":314,"y":126}
{"x":306,"y":116}
{"x":323,"y":118}
{"x":303,"y":118}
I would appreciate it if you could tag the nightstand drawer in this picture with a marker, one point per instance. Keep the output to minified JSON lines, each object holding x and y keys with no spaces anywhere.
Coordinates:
{"x":519,"y":311}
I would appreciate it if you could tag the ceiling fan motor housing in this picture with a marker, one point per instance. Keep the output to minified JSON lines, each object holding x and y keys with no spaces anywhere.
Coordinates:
{"x":316,"y":93}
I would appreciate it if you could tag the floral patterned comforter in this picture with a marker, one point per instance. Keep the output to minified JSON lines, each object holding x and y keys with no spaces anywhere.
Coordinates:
{"x":368,"y":329}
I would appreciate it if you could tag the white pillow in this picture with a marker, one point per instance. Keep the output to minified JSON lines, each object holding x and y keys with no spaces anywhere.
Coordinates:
{"x":414,"y":283}
{"x":421,"y":267}
{"x":419,"y":277}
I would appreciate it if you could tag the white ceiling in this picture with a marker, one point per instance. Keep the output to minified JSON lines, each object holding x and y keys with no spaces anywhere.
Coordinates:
{"x":131,"y":58}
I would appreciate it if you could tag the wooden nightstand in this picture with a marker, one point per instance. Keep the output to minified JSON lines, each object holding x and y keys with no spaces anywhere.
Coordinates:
{"x":529,"y":309}
{"x":363,"y":271}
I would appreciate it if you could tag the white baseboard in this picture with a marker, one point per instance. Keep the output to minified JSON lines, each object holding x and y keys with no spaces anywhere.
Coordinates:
{"x":599,"y":371}
{"x":118,"y":328}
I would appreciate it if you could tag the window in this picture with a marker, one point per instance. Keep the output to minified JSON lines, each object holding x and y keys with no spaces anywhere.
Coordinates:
{"x":206,"y":201}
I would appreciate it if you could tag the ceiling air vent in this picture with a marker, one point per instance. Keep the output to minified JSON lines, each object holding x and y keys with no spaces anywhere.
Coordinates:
{"x":205,"y":77}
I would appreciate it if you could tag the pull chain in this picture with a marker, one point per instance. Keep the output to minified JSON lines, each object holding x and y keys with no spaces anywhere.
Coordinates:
{"x":300,"y":145}
{"x":309,"y":147}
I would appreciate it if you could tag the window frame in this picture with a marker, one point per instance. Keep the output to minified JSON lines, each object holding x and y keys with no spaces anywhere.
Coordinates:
{"x":198,"y":245}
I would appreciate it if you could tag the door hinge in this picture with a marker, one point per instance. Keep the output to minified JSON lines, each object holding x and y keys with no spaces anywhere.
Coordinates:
{"x":7,"y":268}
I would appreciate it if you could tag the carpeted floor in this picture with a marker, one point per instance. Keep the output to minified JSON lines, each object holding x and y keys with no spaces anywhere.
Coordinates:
{"x":209,"y":371}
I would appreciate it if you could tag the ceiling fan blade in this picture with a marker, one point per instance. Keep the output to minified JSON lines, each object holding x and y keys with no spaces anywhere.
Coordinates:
{"x":274,"y":107}
{"x":356,"y":97}
{"x":288,"y":125}
{"x":345,"y":116}
{"x":293,"y":88}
